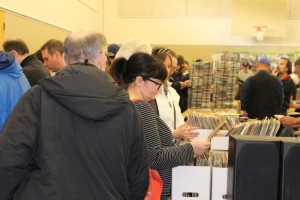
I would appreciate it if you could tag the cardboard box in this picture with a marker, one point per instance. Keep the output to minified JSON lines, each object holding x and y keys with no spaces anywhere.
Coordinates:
{"x":191,"y":183}
{"x":220,"y":143}
{"x":219,"y":183}
{"x":201,"y":183}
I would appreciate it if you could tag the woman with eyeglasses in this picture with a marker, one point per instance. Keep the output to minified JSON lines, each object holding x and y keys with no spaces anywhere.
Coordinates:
{"x":142,"y":76}
{"x":167,"y":100}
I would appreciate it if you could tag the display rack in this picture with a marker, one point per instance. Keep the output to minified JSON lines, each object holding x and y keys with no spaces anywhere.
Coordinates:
{"x":200,"y":91}
{"x":212,"y":85}
{"x":224,"y":84}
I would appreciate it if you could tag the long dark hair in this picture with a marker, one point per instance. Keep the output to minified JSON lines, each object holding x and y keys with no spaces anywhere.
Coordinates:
{"x":288,"y":64}
{"x":125,"y":71}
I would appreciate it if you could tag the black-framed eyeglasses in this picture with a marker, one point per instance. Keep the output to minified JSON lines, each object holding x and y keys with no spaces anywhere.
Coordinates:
{"x":160,"y":50}
{"x":157,"y":83}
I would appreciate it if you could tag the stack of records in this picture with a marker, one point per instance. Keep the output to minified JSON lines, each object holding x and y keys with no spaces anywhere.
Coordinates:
{"x":232,"y":123}
{"x":211,"y":158}
{"x":225,"y":78}
{"x":219,"y":158}
{"x":213,"y":120}
{"x":266,"y":127}
{"x":200,"y":93}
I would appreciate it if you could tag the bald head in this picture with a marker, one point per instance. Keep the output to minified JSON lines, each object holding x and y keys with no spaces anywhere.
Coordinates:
{"x":84,"y":45}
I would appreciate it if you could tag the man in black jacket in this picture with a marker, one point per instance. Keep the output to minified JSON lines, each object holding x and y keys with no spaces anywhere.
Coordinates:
{"x":262,"y":94}
{"x":76,"y":135}
{"x":32,"y":67}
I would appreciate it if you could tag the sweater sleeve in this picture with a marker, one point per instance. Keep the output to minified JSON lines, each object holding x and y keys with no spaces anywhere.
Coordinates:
{"x":156,"y":132}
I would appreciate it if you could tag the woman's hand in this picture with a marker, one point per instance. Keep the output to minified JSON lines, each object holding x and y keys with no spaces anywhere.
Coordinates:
{"x":185,"y":132}
{"x":200,"y":146}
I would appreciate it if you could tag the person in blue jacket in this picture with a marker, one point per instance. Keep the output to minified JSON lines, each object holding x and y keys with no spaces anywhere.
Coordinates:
{"x":13,"y":84}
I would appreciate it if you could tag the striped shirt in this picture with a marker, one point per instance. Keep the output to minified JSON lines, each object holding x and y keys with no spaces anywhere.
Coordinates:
{"x":162,"y":154}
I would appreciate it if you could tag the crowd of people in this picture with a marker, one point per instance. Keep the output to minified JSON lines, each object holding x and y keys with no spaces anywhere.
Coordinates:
{"x":79,"y":123}
{"x":268,"y":92}
{"x":80,"y":120}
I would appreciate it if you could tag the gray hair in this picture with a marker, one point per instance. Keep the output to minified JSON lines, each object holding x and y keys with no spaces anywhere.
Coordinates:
{"x":83,"y":45}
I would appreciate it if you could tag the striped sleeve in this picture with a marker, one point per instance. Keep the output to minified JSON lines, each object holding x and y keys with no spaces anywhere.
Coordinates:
{"x":161,"y":152}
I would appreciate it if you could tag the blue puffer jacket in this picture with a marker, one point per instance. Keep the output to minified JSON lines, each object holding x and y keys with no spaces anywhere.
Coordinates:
{"x":13,"y":84}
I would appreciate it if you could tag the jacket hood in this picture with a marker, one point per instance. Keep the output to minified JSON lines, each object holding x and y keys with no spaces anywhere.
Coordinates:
{"x":9,"y":65}
{"x":87,"y":91}
{"x":6,"y":59}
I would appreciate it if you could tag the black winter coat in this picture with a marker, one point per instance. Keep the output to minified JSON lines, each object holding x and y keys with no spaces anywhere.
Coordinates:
{"x":34,"y":69}
{"x":74,"y":136}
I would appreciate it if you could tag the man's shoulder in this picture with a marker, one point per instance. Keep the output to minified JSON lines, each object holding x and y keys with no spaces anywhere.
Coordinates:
{"x":29,"y":60}
{"x":264,"y":73}
{"x":31,"y":63}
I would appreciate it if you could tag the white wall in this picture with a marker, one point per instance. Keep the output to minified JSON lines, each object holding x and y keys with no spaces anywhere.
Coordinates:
{"x":67,"y":14}
{"x":32,"y":32}
{"x":187,"y":30}
{"x":103,"y":15}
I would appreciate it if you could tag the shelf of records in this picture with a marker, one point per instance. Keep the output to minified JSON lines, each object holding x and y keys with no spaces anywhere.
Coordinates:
{"x":225,"y":78}
{"x":252,"y":57}
{"x":212,"y":84}
{"x":200,"y":90}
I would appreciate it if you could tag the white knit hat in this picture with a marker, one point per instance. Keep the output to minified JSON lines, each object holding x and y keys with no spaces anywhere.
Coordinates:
{"x":133,"y":45}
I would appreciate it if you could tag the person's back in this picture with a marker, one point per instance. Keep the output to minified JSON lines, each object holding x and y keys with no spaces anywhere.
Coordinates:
{"x":76,"y":136}
{"x":262,"y":93}
{"x":33,"y":68}
{"x":13,"y":84}
{"x":265,"y":97}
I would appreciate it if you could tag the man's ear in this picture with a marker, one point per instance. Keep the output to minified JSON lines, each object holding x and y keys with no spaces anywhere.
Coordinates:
{"x":57,"y":54}
{"x":101,"y":61}
{"x":14,"y":52}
